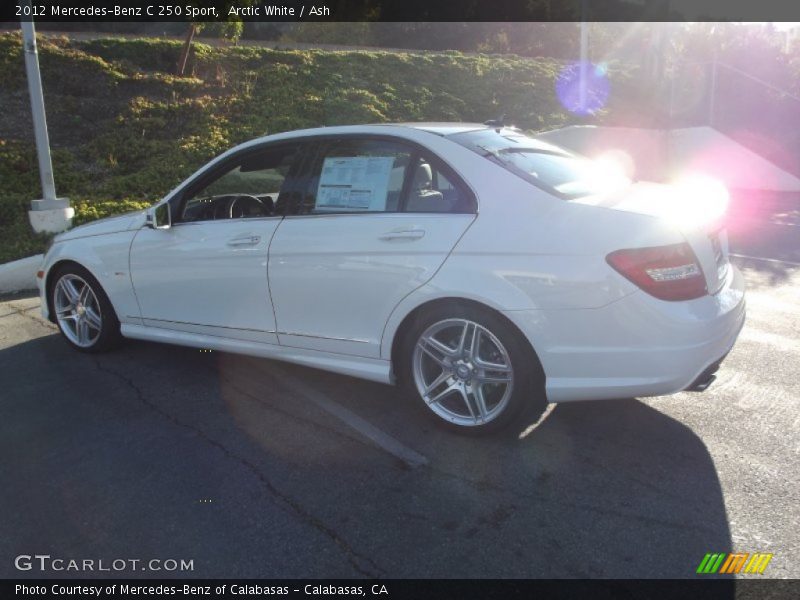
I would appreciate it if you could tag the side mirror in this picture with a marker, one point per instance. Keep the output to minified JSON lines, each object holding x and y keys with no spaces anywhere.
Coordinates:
{"x":159,"y":217}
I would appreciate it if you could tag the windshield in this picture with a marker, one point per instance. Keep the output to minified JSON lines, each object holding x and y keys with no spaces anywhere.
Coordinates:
{"x":549,"y":167}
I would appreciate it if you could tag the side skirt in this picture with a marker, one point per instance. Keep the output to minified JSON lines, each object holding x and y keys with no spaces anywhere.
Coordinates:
{"x":373,"y":369}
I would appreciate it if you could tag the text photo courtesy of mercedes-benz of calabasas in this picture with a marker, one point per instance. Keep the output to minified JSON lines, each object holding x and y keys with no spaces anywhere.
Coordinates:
{"x":484,"y":271}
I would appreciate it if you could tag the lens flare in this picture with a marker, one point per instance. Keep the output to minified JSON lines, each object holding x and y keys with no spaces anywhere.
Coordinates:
{"x":568,"y":87}
{"x":618,"y":163}
{"x":606,"y":173}
{"x":698,"y":199}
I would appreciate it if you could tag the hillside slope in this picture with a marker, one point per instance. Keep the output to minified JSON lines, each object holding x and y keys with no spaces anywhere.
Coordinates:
{"x":124,"y":130}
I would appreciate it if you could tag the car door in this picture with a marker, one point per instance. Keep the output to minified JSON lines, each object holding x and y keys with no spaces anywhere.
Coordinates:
{"x":376,"y":219}
{"x":207,"y":273}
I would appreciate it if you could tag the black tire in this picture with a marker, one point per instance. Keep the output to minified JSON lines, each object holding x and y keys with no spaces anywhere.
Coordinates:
{"x":109,"y":334}
{"x":527,"y":400}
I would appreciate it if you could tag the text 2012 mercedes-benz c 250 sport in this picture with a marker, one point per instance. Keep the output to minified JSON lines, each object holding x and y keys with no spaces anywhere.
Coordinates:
{"x":485,"y":271}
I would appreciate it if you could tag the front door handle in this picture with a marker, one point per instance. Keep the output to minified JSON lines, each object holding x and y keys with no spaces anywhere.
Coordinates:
{"x":403,"y":234}
{"x":245,"y":240}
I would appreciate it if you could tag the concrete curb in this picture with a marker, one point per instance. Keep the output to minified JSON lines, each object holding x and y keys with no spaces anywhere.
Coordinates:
{"x":19,"y":275}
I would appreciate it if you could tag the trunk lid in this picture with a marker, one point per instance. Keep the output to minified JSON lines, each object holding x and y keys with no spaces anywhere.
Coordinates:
{"x":695,"y":210}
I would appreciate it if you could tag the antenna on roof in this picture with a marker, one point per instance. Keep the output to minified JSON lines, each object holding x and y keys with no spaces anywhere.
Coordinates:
{"x":501,"y":122}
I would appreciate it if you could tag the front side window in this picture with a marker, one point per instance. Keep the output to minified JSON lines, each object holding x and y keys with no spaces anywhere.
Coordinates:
{"x":247,"y":188}
{"x":559,"y":172}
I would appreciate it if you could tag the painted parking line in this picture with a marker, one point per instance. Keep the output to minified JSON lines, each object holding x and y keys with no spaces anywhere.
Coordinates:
{"x":769,"y":260}
{"x":380,"y":438}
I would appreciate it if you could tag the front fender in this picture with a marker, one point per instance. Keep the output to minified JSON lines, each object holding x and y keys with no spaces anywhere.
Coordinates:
{"x":106,"y":257}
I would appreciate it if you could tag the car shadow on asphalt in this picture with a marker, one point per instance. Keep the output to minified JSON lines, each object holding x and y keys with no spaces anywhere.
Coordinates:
{"x":597,"y":489}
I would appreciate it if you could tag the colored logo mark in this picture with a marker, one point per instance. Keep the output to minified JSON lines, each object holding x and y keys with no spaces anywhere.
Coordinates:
{"x":735,"y":562}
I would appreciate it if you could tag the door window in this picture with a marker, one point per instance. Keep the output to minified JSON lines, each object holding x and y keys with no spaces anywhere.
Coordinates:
{"x":247,"y":188}
{"x":376,"y":175}
{"x":354,"y":176}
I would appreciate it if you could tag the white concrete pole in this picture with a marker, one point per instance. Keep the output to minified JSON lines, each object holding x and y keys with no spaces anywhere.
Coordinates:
{"x":49,"y":213}
{"x":37,"y":109}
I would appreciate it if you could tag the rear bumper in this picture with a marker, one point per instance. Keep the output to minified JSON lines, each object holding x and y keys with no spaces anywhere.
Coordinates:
{"x":636,"y":346}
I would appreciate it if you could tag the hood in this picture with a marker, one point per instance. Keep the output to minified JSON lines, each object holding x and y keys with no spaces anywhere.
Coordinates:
{"x":132,"y":220}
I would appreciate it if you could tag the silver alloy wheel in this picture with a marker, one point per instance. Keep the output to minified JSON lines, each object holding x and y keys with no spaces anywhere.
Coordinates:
{"x":77,"y":310}
{"x":463,"y":372}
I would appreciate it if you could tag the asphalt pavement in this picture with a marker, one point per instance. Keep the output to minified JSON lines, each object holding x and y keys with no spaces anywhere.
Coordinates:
{"x":253,"y":468}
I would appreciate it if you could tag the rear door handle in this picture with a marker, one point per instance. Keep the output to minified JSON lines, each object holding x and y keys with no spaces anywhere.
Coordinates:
{"x":403,"y":234}
{"x":245,"y":240}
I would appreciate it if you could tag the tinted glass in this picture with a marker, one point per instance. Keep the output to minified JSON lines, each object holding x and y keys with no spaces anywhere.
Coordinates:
{"x":432,"y":191}
{"x":550,"y":167}
{"x":356,"y":176}
{"x":248,"y":189}
{"x":374,"y":175}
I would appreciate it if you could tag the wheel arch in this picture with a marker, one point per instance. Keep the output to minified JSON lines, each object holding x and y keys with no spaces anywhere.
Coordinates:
{"x":406,"y":324}
{"x":49,"y":282}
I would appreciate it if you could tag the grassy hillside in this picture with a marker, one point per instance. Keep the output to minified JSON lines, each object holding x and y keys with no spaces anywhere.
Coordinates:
{"x":124,"y":131}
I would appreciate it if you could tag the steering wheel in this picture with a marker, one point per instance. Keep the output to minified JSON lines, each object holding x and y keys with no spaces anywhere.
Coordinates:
{"x":250,"y":199}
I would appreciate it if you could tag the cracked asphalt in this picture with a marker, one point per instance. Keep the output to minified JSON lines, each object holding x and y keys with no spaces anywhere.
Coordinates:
{"x":156,"y":451}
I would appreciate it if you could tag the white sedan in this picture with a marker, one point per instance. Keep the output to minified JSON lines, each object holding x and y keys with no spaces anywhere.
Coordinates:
{"x":483,"y":270}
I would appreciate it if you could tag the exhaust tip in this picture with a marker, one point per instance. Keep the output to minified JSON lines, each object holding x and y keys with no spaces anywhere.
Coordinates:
{"x":702,"y":385}
{"x":706,"y":378}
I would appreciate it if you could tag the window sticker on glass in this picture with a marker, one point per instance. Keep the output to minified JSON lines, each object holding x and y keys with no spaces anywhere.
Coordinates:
{"x":354,"y":183}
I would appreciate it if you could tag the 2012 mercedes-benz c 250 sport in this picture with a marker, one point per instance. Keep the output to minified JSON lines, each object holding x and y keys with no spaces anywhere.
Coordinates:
{"x":483,"y":270}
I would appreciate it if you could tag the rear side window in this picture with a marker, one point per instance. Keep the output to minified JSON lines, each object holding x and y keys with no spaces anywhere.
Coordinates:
{"x":431,"y":190}
{"x":549,"y":167}
{"x":362,"y":175}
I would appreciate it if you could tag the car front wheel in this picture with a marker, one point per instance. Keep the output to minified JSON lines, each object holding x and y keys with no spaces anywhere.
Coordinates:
{"x":82,"y":311}
{"x":473,"y":370}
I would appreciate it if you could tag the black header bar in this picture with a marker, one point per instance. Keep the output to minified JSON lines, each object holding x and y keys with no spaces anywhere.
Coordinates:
{"x":64,"y":11}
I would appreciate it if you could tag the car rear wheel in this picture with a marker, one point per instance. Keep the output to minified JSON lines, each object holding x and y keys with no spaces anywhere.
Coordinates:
{"x":82,"y":311}
{"x":472,"y":370}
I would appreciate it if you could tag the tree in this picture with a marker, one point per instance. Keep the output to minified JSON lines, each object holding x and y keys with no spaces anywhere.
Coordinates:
{"x":229,"y":26}
{"x":187,"y":46}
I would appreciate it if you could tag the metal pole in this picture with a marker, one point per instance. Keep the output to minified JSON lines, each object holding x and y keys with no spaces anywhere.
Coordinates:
{"x":47,"y":214}
{"x":712,"y":92}
{"x":37,"y":109}
{"x":672,"y":96}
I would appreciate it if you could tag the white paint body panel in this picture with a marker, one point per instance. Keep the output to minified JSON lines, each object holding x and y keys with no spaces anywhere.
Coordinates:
{"x":638,"y":346}
{"x":341,"y":294}
{"x":335,"y":280}
{"x":365,"y":368}
{"x":206,"y":277}
{"x":106,"y":257}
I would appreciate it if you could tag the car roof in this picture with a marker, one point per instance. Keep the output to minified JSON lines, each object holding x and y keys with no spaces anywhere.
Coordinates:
{"x":443,"y":128}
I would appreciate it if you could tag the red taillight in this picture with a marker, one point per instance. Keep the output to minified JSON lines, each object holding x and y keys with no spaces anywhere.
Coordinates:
{"x":666,"y":272}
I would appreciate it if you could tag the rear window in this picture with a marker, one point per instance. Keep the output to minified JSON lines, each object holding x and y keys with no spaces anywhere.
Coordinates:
{"x":549,"y":167}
